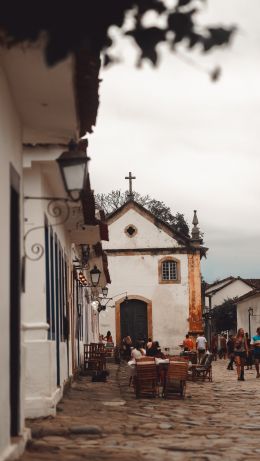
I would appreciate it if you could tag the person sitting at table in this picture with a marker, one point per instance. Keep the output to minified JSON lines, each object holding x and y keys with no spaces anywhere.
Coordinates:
{"x":137,"y":352}
{"x":149,"y":344}
{"x":126,"y":347}
{"x":108,"y":337}
{"x":155,"y":351}
{"x":188,"y":344}
{"x":142,"y":347}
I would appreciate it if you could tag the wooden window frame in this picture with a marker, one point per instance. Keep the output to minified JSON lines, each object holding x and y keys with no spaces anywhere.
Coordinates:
{"x":160,"y":263}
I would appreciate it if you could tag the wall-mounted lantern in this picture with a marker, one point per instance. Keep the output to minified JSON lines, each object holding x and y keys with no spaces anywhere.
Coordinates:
{"x":105,"y":292}
{"x":73,"y":169}
{"x":95,"y":276}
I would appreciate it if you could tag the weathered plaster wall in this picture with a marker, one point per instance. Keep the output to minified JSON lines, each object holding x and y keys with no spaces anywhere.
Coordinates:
{"x":10,"y":152}
{"x":138,"y":275}
{"x":147,"y":232}
{"x":195,"y":310}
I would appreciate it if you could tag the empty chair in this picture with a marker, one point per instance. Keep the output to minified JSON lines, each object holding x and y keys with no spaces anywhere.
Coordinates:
{"x":176,"y":377}
{"x":203,"y":371}
{"x":94,"y":357}
{"x":146,"y":359}
{"x":146,"y":378}
{"x":178,"y":358}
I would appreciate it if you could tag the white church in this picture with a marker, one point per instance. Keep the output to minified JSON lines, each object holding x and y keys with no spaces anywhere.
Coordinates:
{"x":155,"y":277}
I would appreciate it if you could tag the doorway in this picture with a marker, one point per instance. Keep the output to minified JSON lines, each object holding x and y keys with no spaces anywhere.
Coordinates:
{"x":133,"y":319}
{"x":15,"y":310}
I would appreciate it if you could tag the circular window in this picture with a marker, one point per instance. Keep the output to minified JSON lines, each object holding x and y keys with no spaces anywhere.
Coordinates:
{"x":130,"y":230}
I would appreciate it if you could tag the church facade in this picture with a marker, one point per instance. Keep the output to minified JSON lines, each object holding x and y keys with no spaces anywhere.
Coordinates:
{"x":155,"y":278}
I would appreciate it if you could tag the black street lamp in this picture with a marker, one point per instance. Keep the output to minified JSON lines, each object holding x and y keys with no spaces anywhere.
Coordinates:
{"x":73,"y":169}
{"x":250,"y":314}
{"x":95,"y":276}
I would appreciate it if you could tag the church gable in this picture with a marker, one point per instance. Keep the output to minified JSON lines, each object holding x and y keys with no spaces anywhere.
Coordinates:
{"x":132,"y":227}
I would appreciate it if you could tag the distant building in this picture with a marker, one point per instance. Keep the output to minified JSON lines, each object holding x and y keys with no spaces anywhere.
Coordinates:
{"x":159,"y":269}
{"x":231,"y":287}
{"x":248,"y":311}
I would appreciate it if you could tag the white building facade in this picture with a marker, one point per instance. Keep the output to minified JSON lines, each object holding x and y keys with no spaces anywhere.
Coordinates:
{"x":229,"y":288}
{"x":12,"y":351}
{"x":41,"y":111}
{"x":159,"y":270}
{"x":248,"y":311}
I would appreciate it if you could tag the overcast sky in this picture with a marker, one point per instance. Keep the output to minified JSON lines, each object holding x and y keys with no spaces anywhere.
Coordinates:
{"x":192,"y":143}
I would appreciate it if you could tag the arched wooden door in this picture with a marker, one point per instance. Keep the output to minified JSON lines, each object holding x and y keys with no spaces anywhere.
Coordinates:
{"x":134,"y":319}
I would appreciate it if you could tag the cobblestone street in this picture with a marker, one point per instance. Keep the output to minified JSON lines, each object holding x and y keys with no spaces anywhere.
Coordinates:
{"x":104,"y":421}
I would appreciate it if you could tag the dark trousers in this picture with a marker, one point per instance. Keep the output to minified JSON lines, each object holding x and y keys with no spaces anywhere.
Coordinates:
{"x":231,"y":361}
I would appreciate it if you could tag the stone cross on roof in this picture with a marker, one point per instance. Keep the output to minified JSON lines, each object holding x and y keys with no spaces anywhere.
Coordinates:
{"x":130,"y":194}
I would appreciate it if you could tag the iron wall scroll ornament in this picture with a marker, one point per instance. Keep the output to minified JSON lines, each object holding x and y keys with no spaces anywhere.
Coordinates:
{"x":56,"y":208}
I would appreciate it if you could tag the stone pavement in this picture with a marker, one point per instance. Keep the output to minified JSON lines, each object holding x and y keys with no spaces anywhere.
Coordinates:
{"x":103,"y":421}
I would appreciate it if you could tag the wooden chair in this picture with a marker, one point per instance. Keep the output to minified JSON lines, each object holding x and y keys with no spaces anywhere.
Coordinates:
{"x":146,"y":359}
{"x":94,"y":357}
{"x":203,"y":372}
{"x":146,"y":378}
{"x":176,"y":378}
{"x":178,"y":358}
{"x":192,"y":356}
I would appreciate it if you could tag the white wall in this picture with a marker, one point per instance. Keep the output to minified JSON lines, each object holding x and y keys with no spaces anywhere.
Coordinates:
{"x":217,"y":285}
{"x":138,"y":275}
{"x":147,"y":232}
{"x":41,"y":179}
{"x":242,"y":314}
{"x":42,"y":393}
{"x":10,"y":152}
{"x":236,"y":288}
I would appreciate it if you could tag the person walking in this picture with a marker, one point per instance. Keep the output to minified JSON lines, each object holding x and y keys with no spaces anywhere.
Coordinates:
{"x":223,"y":347}
{"x":214,"y":346}
{"x":240,"y":352}
{"x":201,"y":346}
{"x":230,"y":351}
{"x":256,"y":344}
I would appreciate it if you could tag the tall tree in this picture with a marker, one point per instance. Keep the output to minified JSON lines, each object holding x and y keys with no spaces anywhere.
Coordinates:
{"x":116,"y":198}
{"x":224,"y":316}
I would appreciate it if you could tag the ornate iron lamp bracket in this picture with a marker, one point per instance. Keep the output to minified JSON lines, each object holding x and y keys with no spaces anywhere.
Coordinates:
{"x":54,"y":210}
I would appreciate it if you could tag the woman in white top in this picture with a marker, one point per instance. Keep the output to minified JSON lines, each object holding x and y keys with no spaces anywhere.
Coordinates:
{"x":137,"y":352}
